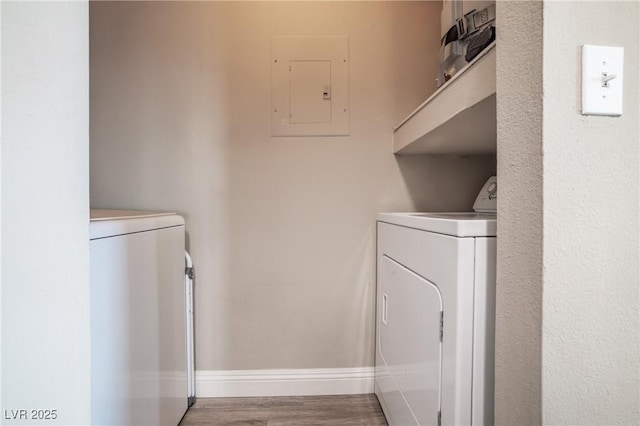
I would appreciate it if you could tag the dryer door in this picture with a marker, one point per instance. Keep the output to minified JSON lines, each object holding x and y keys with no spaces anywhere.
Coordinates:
{"x":409,"y":333}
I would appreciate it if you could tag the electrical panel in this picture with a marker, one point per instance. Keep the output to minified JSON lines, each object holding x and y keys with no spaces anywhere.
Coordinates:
{"x":310,"y":86}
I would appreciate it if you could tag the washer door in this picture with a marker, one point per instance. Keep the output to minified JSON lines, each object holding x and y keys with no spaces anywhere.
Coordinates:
{"x":409,"y":338}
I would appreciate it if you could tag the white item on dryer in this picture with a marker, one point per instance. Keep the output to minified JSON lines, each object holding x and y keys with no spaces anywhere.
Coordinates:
{"x":138,"y":319}
{"x":487,"y":200}
{"x":436,"y":317}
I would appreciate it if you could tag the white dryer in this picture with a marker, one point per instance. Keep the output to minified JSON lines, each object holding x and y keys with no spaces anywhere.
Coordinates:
{"x":138,"y":319}
{"x":436,"y":315}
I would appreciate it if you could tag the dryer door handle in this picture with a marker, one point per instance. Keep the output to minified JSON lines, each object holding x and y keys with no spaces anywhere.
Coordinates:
{"x":385,"y":303}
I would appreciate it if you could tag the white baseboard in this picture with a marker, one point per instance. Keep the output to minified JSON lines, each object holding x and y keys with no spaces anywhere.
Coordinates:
{"x":294,"y":382}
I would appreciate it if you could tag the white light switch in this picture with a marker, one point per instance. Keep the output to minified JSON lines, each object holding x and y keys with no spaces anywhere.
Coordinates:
{"x":602,"y":80}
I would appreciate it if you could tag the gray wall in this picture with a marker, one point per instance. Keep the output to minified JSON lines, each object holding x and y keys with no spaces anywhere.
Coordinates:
{"x":282,"y":230}
{"x":519,"y":266}
{"x":45,"y":210}
{"x":591,"y":309}
{"x":567,"y":344}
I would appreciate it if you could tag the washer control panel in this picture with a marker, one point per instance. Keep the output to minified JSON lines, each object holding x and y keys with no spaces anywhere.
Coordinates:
{"x":487,"y":199}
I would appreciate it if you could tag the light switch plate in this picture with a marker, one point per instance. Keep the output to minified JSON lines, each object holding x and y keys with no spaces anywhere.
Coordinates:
{"x":602,"y":77}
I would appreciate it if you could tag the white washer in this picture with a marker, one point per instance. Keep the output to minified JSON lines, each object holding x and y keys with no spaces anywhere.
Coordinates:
{"x":138,"y":331}
{"x":435,"y":317}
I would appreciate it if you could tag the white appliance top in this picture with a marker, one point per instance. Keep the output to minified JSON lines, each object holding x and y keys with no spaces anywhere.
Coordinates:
{"x":109,"y":214}
{"x":106,"y":223}
{"x":462,"y":224}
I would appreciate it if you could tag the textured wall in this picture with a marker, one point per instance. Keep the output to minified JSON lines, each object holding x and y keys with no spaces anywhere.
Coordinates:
{"x":519,"y":268}
{"x":45,"y":210}
{"x":591,"y":313}
{"x":567,"y":348}
{"x":282,"y":230}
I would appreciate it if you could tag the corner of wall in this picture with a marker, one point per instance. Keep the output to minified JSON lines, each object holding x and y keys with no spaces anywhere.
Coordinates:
{"x":519,"y":168}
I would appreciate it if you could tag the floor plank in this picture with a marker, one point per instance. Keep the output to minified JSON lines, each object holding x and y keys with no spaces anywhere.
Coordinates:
{"x":347,"y":410}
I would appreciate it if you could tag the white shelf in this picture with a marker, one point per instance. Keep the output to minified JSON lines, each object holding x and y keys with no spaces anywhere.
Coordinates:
{"x":459,"y":118}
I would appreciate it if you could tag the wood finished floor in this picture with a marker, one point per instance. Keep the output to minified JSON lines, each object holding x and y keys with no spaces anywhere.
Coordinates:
{"x":340,"y":410}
